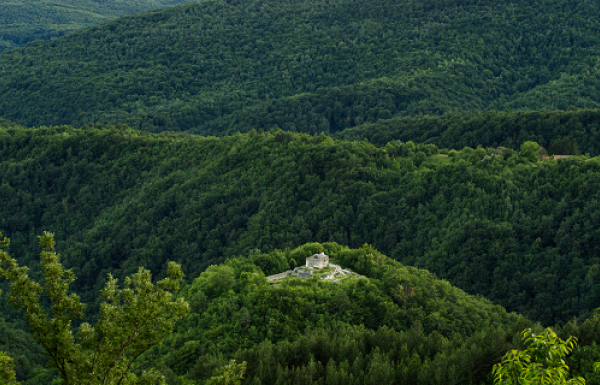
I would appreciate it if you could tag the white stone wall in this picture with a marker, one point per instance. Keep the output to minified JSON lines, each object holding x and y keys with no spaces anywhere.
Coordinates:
{"x":318,"y":261}
{"x":276,"y":277}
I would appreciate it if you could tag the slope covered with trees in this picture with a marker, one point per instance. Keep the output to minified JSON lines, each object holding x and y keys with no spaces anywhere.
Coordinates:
{"x":218,"y":67}
{"x":560,"y":132}
{"x":22,"y":21}
{"x":514,"y":229}
{"x":396,"y":325}
{"x":29,"y":364}
{"x":393,"y":325}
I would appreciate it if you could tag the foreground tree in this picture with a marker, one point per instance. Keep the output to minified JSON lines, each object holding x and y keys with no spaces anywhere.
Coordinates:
{"x":541,"y":363}
{"x":131,"y":321}
{"x":7,"y":371}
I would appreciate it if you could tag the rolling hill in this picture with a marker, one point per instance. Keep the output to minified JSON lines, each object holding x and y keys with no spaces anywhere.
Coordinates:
{"x":397,"y":324}
{"x":393,"y":322}
{"x":220,"y":67}
{"x":488,"y":129}
{"x":22,"y":21}
{"x":519,"y":231}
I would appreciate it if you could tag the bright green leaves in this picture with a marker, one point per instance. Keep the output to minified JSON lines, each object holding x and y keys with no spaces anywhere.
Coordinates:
{"x":131,"y":321}
{"x":530,"y":151}
{"x":230,"y":374}
{"x":215,"y":281}
{"x":542,"y":362}
{"x":7,"y":371}
{"x":4,"y":241}
{"x":55,"y":333}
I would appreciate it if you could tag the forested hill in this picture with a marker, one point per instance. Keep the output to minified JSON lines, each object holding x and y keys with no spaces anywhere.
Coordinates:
{"x":218,"y":67}
{"x":22,"y":21}
{"x":519,"y":231}
{"x":551,"y":129}
{"x":396,"y":325}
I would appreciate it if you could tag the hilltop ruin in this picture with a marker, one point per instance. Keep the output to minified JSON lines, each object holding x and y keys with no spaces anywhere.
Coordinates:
{"x":318,"y":263}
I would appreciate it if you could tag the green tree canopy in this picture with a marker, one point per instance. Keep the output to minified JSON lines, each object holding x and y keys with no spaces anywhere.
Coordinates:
{"x":131,"y":321}
{"x":7,"y":371}
{"x":541,"y":363}
{"x":530,"y":151}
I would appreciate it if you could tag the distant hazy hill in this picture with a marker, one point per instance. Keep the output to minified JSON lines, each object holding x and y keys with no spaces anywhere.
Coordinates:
{"x":224,"y":66}
{"x":22,"y":21}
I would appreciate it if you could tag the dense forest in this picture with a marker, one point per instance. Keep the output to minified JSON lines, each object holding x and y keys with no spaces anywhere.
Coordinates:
{"x":219,"y":67}
{"x":392,"y":325}
{"x":516,"y":229}
{"x":560,"y":132}
{"x":23,"y":21}
{"x":397,"y":325}
{"x":414,"y":142}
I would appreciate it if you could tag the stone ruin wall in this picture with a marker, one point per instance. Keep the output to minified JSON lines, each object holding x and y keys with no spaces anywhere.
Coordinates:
{"x":276,"y":277}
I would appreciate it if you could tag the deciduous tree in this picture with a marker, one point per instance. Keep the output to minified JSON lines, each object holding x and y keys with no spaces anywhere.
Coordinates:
{"x":131,"y":321}
{"x":541,"y":363}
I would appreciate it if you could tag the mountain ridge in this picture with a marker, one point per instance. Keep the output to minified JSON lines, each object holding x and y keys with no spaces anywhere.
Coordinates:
{"x":207,"y":66}
{"x":25,"y":21}
{"x":118,"y":199}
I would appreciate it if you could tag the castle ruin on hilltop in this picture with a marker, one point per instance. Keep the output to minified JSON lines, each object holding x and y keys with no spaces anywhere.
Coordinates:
{"x":313,"y":264}
{"x":318,"y":261}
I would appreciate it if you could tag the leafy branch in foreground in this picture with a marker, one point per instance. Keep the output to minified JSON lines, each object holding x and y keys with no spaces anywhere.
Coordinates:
{"x":542,"y":362}
{"x":132,"y":320}
{"x":7,"y":371}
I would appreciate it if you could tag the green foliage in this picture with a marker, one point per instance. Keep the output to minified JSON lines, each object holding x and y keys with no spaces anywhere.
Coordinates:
{"x":530,"y":151}
{"x":118,"y":199}
{"x":521,"y":233}
{"x":542,"y":362}
{"x":25,"y":21}
{"x":132,"y":320}
{"x":219,"y":67}
{"x":563,"y":146}
{"x":230,"y":374}
{"x":561,"y":132}
{"x":7,"y":371}
{"x":398,"y":324}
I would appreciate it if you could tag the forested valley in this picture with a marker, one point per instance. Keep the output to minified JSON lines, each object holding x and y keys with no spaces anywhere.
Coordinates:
{"x":498,"y":223}
{"x":446,"y":151}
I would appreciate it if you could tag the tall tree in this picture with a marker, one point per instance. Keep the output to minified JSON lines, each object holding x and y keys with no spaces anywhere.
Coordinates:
{"x":131,"y":321}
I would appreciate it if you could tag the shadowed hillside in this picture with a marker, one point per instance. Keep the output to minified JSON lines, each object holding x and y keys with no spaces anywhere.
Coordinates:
{"x":512,"y":228}
{"x":551,"y":129}
{"x":218,"y":67}
{"x":22,"y":21}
